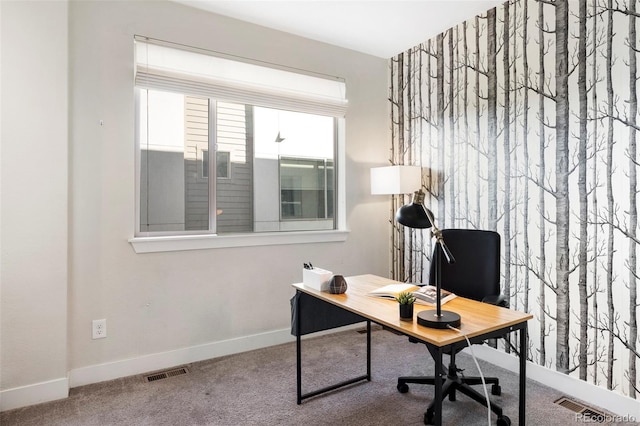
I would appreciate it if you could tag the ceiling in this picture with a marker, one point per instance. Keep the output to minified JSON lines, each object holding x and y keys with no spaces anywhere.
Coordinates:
{"x":379,"y":28}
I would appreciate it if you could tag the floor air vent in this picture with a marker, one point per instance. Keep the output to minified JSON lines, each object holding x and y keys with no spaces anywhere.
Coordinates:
{"x":580,"y":408}
{"x":159,"y":375}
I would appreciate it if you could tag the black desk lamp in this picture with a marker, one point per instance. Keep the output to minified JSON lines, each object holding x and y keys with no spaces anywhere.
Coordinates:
{"x":416,"y":215}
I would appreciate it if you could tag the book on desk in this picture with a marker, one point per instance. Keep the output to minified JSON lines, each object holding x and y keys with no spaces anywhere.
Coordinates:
{"x":424,"y":294}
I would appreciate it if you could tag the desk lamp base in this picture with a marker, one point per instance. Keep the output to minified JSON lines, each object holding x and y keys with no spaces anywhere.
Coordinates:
{"x":432,"y":320}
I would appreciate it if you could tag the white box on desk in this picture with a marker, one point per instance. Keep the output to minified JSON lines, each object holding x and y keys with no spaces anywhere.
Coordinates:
{"x":316,"y":278}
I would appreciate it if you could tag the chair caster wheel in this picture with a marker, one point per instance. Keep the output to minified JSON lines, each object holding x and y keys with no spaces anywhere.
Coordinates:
{"x":402,"y":387}
{"x":496,"y":390}
{"x":428,"y":417}
{"x":503,"y":421}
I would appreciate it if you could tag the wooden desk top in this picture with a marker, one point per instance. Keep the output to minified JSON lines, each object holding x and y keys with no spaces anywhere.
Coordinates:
{"x":477,"y":318}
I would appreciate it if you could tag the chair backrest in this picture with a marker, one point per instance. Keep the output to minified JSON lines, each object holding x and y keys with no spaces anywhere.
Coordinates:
{"x":476,"y":272}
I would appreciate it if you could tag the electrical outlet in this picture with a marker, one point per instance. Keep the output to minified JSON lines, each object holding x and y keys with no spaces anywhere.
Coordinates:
{"x":99,"y":329}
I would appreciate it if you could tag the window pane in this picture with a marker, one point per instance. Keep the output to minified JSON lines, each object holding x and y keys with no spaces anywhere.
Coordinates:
{"x":273,"y":168}
{"x":223,"y":165}
{"x":306,"y":188}
{"x":234,"y":196}
{"x":294,"y":159}
{"x":174,"y":196}
{"x":205,"y":163}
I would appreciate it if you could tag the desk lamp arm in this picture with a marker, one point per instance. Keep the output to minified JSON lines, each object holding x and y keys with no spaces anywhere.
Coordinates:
{"x":437,"y":234}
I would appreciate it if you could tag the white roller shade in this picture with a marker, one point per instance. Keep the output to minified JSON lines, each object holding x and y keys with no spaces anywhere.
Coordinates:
{"x":166,"y":68}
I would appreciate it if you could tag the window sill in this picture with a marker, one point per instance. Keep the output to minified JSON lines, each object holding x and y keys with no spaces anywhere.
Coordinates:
{"x":200,"y":242}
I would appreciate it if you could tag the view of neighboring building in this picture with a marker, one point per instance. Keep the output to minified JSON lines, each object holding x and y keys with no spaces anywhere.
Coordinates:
{"x":291,"y":152}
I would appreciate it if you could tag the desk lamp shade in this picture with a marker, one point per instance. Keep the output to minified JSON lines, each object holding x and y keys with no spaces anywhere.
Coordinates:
{"x":414,"y":215}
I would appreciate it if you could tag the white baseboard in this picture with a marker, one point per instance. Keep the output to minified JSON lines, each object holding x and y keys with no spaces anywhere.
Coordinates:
{"x":34,"y":394}
{"x":598,"y":396}
{"x":129,"y":367}
{"x":59,"y":389}
{"x":144,"y":364}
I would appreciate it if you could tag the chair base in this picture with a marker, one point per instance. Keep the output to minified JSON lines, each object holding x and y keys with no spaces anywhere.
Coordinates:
{"x":451,"y":385}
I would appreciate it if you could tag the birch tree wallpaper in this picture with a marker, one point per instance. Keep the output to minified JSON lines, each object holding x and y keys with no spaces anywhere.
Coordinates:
{"x":524,"y":120}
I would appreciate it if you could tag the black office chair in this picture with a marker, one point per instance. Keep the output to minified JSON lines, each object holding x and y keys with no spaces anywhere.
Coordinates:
{"x":474,"y":275}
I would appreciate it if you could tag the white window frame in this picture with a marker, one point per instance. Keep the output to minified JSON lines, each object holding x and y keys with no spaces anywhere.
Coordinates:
{"x":190,"y":241}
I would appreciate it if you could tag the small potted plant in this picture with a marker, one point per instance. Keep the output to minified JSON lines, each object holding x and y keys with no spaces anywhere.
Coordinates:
{"x":406,"y":299}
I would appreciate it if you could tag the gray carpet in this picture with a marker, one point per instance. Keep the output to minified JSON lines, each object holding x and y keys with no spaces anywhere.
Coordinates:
{"x":259,"y":388}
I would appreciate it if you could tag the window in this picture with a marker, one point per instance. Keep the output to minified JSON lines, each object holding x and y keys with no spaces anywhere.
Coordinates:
{"x":204,"y":162}
{"x":223,"y":165}
{"x":272,"y":149}
{"x":306,"y":189}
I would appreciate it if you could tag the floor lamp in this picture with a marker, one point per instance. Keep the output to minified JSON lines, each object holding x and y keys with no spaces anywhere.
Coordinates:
{"x":416,"y":215}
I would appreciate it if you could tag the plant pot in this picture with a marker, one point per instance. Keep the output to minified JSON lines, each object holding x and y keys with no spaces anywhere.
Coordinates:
{"x":406,"y":312}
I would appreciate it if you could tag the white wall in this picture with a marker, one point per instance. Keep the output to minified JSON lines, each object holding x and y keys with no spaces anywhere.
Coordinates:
{"x":34,"y":167}
{"x":162,"y":309}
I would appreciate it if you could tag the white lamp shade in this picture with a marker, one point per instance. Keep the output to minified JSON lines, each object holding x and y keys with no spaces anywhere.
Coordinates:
{"x":395,"y":179}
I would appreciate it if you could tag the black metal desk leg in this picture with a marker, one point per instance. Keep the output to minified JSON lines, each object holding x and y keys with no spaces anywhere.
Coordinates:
{"x":523,"y":375}
{"x":300,"y":331}
{"x":368,"y":350}
{"x":438,"y":388}
{"x":298,"y":357}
